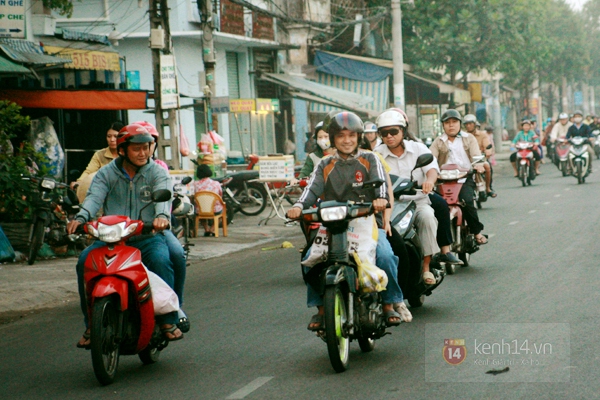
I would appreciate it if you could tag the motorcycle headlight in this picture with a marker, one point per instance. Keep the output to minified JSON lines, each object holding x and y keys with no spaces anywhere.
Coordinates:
{"x":48,"y":184}
{"x":452,"y":174}
{"x":334,"y":213}
{"x":114,"y":233}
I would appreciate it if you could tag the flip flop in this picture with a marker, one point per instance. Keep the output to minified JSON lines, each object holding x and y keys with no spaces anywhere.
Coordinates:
{"x":480,"y":240}
{"x":86,"y":336}
{"x":392,"y":314}
{"x":428,"y":278}
{"x":491,"y":194}
{"x":171,"y":330}
{"x":317,"y":320}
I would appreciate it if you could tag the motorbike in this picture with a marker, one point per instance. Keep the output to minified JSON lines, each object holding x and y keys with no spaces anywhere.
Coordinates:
{"x":182,"y":210}
{"x":120,"y":304}
{"x":50,"y":216}
{"x":579,"y":158}
{"x":551,"y":152}
{"x":449,"y":186}
{"x":350,"y":313}
{"x":562,"y":156}
{"x":596,"y":133}
{"x":481,"y":194}
{"x":403,"y":221}
{"x":525,"y":162}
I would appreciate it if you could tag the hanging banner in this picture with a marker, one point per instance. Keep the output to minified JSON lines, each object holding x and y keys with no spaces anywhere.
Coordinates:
{"x":169,"y":96}
{"x":12,"y":19}
{"x":242,"y":105}
{"x":220,"y":105}
{"x":86,"y":59}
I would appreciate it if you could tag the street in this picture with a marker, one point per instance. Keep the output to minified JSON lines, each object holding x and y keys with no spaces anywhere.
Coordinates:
{"x":248,"y":314}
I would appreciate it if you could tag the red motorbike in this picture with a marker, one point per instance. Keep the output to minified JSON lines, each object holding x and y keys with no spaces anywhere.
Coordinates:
{"x":120,"y":304}
{"x":562,"y":155}
{"x":450,"y":182}
{"x":525,"y":167}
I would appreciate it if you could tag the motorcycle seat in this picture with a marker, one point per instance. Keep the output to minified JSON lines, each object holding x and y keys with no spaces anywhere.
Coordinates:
{"x":452,"y":167}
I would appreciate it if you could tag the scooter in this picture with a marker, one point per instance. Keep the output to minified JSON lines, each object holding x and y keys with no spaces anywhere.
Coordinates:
{"x":120,"y":304}
{"x":182,"y":210}
{"x":403,"y":222}
{"x":525,"y":167}
{"x":579,"y":158}
{"x":350,"y":312}
{"x":449,"y":186}
{"x":596,"y":133}
{"x":562,"y":156}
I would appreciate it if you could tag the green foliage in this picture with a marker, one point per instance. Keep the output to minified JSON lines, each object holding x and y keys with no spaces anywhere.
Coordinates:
{"x":63,"y":7}
{"x":16,"y":194}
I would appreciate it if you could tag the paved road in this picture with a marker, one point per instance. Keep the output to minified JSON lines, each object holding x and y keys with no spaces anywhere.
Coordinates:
{"x":249,"y":337}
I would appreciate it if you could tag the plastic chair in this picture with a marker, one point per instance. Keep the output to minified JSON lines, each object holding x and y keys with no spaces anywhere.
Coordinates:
{"x":205,"y":206}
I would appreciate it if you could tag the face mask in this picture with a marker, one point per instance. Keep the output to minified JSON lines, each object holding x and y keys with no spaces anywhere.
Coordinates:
{"x":324,"y":144}
{"x":577,"y":120}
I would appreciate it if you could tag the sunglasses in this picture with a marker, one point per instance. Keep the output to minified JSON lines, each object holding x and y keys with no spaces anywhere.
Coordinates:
{"x":393,"y":132}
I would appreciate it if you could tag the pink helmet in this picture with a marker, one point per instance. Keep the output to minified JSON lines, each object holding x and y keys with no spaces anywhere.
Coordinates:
{"x":149,"y":127}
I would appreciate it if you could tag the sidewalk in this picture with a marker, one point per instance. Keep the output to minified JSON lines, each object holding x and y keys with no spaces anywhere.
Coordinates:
{"x":48,"y":283}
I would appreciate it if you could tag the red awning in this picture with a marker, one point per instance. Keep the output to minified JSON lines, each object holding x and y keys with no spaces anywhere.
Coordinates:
{"x":78,"y":99}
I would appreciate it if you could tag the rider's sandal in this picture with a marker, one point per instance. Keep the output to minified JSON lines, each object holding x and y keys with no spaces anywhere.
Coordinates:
{"x":392,"y":314}
{"x":491,"y":194}
{"x":171,"y":330}
{"x":317,"y":323}
{"x":483,"y":239}
{"x":428,"y":278}
{"x":86,"y":345}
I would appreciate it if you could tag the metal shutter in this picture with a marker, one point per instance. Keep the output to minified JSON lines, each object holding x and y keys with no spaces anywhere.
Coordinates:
{"x":233,"y":82}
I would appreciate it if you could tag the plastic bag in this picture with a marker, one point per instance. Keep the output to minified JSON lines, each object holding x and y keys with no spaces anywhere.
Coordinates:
{"x":184,"y":146}
{"x":370,"y":277}
{"x":164,"y":298}
{"x":6,"y":251}
{"x":45,"y":140}
{"x":362,"y":238}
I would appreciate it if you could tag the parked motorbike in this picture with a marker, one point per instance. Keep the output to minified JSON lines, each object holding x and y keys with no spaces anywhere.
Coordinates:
{"x":182,"y":210}
{"x":350,"y":314}
{"x":562,"y":155}
{"x":596,"y":133}
{"x":50,"y":215}
{"x":120,"y":305}
{"x":579,"y":158}
{"x":449,"y":186}
{"x":525,"y":162}
{"x":403,"y":221}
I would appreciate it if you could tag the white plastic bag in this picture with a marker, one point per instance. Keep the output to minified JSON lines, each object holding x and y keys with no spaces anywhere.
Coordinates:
{"x":164,"y":298}
{"x":362,"y":238}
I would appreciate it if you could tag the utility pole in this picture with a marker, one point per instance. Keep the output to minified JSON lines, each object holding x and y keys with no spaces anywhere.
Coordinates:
{"x":206,"y":9}
{"x":497,"y":116}
{"x":397,"y":58}
{"x":166,"y":119}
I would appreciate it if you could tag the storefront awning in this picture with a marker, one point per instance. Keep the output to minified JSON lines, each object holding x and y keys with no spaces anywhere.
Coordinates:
{"x":26,"y":52}
{"x":78,"y":99}
{"x":339,"y":97}
{"x":461,"y":96}
{"x":9,"y":67}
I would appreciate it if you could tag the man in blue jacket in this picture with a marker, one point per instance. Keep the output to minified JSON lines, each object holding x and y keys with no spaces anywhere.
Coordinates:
{"x":580,"y":129}
{"x":124,"y":187}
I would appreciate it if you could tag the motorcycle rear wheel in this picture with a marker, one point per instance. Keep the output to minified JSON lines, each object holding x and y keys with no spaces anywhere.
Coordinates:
{"x":149,"y":355}
{"x":252,"y":201}
{"x":37,"y":239}
{"x":366,"y":344}
{"x":464,"y":257}
{"x":336,"y":317}
{"x":450,"y":269}
{"x":416,"y":301}
{"x":103,"y":334}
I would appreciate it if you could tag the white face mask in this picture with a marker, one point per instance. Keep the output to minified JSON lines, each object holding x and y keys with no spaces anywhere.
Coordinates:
{"x":324,"y":144}
{"x":577,"y":120}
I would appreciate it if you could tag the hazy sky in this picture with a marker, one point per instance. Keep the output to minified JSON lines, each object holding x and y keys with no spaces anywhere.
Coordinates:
{"x":576,"y":4}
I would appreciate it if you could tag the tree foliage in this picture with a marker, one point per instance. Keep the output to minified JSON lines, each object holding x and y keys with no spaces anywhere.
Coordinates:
{"x":63,"y":7}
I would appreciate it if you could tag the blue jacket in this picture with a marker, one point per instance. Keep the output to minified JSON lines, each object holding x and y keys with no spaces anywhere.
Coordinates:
{"x":584,"y":130}
{"x":112,"y":190}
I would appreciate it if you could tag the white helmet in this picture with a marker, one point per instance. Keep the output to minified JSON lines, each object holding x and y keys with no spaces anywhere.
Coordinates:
{"x":182,"y":206}
{"x":391,"y":118}
{"x":369,"y":127}
{"x":470,"y":118}
{"x":563,"y":116}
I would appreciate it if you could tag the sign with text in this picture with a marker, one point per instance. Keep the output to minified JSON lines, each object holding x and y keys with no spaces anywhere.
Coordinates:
{"x":242,"y":105}
{"x":268,"y":105}
{"x":12,"y":18}
{"x":169,"y":96}
{"x":85,"y":59}
{"x":176,"y":178}
{"x":220,"y":105}
{"x":276,"y":168}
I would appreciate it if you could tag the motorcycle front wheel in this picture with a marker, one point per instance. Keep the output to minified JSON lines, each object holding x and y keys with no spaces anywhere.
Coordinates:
{"x":103,"y":339}
{"x":37,"y":239}
{"x":523,"y":175}
{"x":579,"y":174}
{"x":253,"y":200}
{"x":336,"y":317}
{"x":563,"y":168}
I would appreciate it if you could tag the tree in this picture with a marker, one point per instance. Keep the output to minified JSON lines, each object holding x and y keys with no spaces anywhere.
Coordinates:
{"x":63,"y":7}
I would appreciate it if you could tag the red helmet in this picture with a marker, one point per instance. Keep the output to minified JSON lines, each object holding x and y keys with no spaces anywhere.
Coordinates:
{"x":149,"y":127}
{"x":133,"y":133}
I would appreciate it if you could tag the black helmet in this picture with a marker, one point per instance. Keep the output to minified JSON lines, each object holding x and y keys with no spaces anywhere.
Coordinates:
{"x":337,"y":121}
{"x":451,"y":114}
{"x":318,"y":127}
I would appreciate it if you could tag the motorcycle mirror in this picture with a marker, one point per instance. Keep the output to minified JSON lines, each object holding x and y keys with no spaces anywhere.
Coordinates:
{"x":489,"y":146}
{"x":72,"y":197}
{"x":161,"y":195}
{"x":373,"y":184}
{"x":186,"y":180}
{"x":423,"y":160}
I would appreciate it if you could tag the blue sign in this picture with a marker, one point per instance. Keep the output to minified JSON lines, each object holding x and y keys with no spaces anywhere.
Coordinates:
{"x":133,"y":80}
{"x":578,"y":98}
